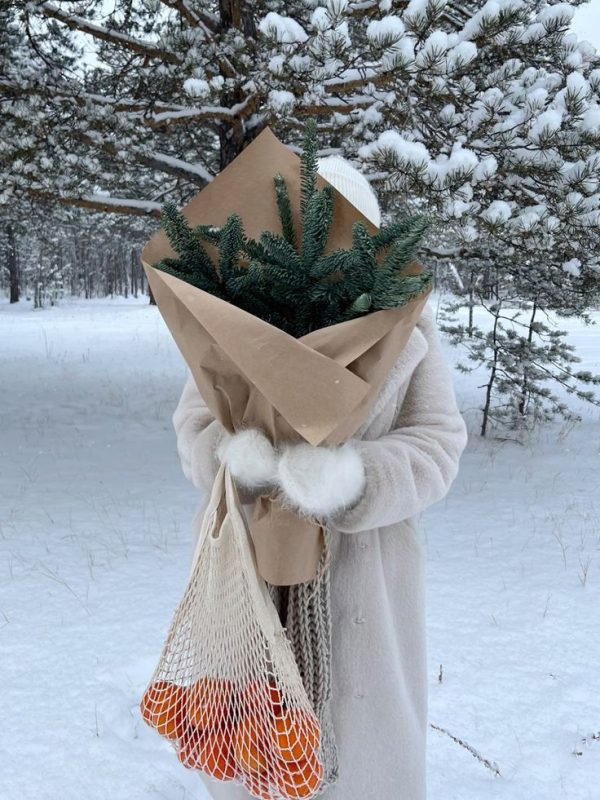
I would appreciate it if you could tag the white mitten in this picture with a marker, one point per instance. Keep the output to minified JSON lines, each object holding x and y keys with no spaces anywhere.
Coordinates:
{"x":250,"y":456}
{"x":321,"y":480}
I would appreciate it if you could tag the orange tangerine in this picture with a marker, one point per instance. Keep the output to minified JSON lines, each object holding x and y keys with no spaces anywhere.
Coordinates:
{"x":152,"y":696}
{"x":263,"y":699}
{"x":210,"y":752}
{"x":250,"y":746}
{"x":208,"y":705}
{"x":163,"y":707}
{"x":216,"y":755}
{"x":258,"y":785}
{"x":295,"y":735}
{"x":189,"y":744}
{"x":300,"y":779}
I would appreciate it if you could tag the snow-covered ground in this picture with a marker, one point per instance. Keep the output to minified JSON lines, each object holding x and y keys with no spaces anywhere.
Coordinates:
{"x":95,"y":549}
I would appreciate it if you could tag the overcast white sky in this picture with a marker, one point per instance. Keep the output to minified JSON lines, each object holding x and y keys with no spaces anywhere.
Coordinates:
{"x":586,"y":22}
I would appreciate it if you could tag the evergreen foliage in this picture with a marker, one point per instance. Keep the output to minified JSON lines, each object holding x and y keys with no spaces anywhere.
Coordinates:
{"x":486,"y":114}
{"x":300,"y":289}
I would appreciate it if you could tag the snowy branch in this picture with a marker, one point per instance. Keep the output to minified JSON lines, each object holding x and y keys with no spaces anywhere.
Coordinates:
{"x":193,"y":17}
{"x":84,"y":98}
{"x":75,"y":22}
{"x":336,"y":104}
{"x":167,"y":118}
{"x":209,"y":24}
{"x":195,"y":173}
{"x":152,"y":116}
{"x":357,"y":78}
{"x":362,"y":9}
{"x":97,"y":202}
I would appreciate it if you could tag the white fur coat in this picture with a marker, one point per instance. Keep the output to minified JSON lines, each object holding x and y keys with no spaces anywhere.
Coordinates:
{"x":411,"y":444}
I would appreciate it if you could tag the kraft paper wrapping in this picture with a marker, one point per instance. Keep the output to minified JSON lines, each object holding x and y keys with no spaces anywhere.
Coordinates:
{"x":318,"y":388}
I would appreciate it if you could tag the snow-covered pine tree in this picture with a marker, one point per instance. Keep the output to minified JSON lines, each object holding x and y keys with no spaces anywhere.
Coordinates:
{"x":517,"y":187}
{"x":49,"y":249}
{"x":486,"y":114}
{"x":524,"y":359}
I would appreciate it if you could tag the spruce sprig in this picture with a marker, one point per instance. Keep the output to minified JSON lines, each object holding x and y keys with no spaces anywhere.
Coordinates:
{"x":288,"y":278}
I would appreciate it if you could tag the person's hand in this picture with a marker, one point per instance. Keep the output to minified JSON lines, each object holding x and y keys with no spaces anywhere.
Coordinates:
{"x":319,"y":481}
{"x":250,"y":456}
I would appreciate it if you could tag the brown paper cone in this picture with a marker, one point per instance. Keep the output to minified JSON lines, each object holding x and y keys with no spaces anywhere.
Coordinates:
{"x":317,"y":388}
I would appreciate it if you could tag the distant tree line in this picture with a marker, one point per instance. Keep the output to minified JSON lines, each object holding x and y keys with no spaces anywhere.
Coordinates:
{"x":49,"y":254}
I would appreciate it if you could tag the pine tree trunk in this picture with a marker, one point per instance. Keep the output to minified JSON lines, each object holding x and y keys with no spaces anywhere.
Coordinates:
{"x":38,"y":293}
{"x":13,"y":265}
{"x":492,"y":378}
{"x":233,"y":138}
{"x":74,"y":273}
{"x":133,"y":268}
{"x":471,"y":300}
{"x":525,"y":381}
{"x":85,"y":265}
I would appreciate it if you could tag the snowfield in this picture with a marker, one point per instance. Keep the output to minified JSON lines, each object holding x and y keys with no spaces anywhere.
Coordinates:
{"x":94,"y":555}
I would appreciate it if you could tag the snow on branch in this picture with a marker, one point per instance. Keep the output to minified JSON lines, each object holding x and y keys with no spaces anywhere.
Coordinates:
{"x":181,"y":169}
{"x":193,"y":16}
{"x":75,"y":22}
{"x":361,"y":9}
{"x":334,"y":104}
{"x":195,"y":173}
{"x":247,"y":106}
{"x":122,"y":105}
{"x":124,"y":205}
{"x":99,"y":202}
{"x":282,"y":29}
{"x":356,"y":78}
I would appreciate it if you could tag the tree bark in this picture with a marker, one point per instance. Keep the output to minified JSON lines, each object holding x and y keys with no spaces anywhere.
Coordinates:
{"x":233,"y":134}
{"x":492,"y":377}
{"x":134,"y":272}
{"x":525,"y":381}
{"x":13,"y":265}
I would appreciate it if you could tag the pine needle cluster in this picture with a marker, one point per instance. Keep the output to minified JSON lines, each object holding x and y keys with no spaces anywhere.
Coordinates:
{"x":288,"y":279}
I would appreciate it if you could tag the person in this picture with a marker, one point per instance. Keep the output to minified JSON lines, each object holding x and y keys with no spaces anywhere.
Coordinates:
{"x":372,"y":491}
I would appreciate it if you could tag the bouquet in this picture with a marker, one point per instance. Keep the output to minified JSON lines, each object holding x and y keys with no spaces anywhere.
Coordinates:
{"x":290,"y":309}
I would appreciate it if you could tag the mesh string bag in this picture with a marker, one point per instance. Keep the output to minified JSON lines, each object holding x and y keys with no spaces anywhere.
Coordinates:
{"x":227,"y":691}
{"x":305,"y":610}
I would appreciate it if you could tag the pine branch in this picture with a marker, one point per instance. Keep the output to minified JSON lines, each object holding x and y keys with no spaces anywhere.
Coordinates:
{"x":230,"y":245}
{"x":333,"y":262}
{"x":396,"y":230}
{"x":101,"y":203}
{"x":308,"y":165}
{"x":285,"y":211}
{"x":278,"y":251}
{"x":315,"y":225}
{"x":195,"y":260}
{"x":210,"y":233}
{"x":75,"y":22}
{"x":301,"y":288}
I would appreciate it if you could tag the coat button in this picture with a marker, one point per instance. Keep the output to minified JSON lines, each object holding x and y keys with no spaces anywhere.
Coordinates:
{"x":358,"y":620}
{"x":359,"y":695}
